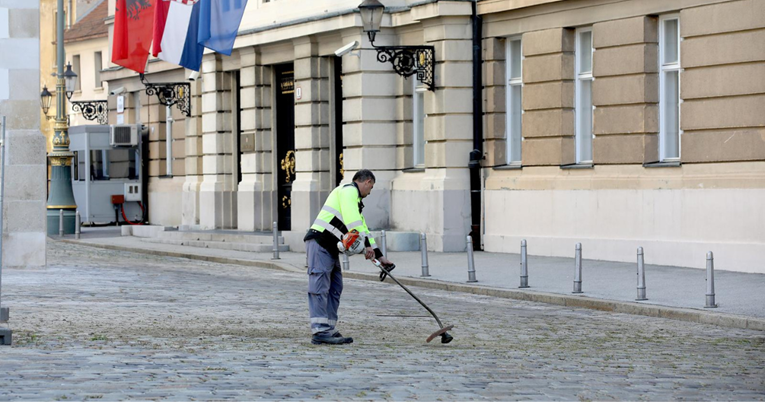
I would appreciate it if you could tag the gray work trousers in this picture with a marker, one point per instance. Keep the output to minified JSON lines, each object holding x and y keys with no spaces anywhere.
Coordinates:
{"x":325,"y":285}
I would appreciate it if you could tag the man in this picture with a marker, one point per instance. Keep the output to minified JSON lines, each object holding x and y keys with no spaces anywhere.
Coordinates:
{"x":339,"y":216}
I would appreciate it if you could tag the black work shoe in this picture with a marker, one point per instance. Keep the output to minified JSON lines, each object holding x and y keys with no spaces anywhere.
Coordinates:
{"x":347,"y":340}
{"x":330,"y":340}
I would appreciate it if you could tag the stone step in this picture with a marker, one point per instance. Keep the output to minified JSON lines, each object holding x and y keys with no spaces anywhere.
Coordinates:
{"x":219,"y":236}
{"x":221,"y":245}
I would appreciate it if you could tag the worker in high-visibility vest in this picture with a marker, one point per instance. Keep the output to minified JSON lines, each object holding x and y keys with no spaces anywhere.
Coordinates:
{"x":339,"y":227}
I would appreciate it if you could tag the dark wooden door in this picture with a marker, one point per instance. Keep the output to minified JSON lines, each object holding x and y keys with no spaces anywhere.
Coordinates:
{"x":285,"y":142}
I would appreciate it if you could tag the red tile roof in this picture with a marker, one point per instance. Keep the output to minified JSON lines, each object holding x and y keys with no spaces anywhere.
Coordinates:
{"x":91,"y":26}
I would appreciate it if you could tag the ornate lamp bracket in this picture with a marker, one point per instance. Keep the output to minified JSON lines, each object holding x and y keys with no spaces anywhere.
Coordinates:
{"x":410,"y":60}
{"x":92,"y":110}
{"x":170,"y":93}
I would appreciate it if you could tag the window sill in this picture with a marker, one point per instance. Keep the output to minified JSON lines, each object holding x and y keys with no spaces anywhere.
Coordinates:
{"x":508,"y":167}
{"x":413,"y":170}
{"x":578,"y":166}
{"x":165,"y":177}
{"x":662,"y":164}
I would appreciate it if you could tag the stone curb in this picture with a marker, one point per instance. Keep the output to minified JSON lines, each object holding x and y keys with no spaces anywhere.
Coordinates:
{"x":624,"y":307}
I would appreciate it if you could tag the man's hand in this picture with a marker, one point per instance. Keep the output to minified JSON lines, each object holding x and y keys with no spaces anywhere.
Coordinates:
{"x":369,"y":253}
{"x":385,"y":262}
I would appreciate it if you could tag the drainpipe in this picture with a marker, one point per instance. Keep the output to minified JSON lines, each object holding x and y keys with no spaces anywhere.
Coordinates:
{"x":169,"y":142}
{"x":477,"y":153}
{"x":69,"y":16}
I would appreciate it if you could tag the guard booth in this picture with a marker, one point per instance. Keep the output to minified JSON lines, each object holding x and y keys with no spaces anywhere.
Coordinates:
{"x":107,"y":179}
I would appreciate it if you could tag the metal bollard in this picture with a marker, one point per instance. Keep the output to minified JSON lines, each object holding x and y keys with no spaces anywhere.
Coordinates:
{"x":710,"y":281}
{"x":61,"y":223}
{"x":77,"y":225}
{"x":384,"y":244}
{"x":346,"y":263}
{"x":276,"y":242}
{"x":471,"y":262}
{"x":524,"y":266}
{"x":640,"y":275}
{"x":578,"y":269}
{"x":424,"y":252}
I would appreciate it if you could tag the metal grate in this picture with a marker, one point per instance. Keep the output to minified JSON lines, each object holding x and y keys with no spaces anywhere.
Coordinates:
{"x":122,"y":135}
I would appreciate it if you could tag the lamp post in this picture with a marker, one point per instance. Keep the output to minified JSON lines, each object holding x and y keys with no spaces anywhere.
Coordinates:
{"x":406,"y":60}
{"x":61,"y":196}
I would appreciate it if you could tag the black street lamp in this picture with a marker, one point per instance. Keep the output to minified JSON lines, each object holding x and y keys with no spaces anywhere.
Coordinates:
{"x":70,"y":77}
{"x":45,"y":99}
{"x":406,"y":60}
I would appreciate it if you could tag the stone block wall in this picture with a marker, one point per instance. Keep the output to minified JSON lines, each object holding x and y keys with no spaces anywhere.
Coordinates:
{"x":24,"y":166}
{"x":625,"y":91}
{"x":548,"y":110}
{"x":723,"y":82}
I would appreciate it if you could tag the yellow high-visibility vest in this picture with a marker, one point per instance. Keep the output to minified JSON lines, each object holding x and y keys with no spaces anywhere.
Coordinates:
{"x":341,"y":213}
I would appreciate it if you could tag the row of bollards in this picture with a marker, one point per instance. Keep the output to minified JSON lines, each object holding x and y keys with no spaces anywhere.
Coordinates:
{"x":641,"y":285}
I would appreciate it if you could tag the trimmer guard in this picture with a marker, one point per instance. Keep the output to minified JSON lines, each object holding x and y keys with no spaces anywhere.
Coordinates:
{"x":439,"y":332}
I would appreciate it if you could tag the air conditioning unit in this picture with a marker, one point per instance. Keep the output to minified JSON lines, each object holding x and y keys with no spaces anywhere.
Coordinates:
{"x":123,"y":135}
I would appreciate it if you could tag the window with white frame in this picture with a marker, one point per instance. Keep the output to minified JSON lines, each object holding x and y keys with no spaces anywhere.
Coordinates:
{"x":98,"y":65}
{"x":583,"y":94}
{"x":669,"y":88}
{"x":418,"y":123}
{"x":514,"y":93}
{"x":76,"y":69}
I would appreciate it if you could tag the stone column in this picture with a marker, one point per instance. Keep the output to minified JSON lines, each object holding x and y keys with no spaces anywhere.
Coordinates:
{"x":217,"y":197}
{"x":193,"y":161}
{"x":256,"y":190}
{"x":370,"y":130}
{"x":24,"y":201}
{"x":312,"y":137}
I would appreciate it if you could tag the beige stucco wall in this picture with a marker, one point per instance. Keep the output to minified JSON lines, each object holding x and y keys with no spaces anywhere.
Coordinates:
{"x":24,"y":166}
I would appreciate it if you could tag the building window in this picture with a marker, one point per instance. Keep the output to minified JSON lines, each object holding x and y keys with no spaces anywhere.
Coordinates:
{"x":514,"y":104}
{"x":418,"y":124}
{"x":583,"y":94}
{"x":669,"y":88}
{"x":98,"y":66}
{"x":76,"y":69}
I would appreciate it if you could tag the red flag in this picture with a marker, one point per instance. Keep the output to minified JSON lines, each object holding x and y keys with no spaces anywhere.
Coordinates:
{"x":133,"y":29}
{"x":160,"y":18}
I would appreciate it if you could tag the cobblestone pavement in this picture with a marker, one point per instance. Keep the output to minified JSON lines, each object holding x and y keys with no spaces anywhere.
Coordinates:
{"x":109,"y":325}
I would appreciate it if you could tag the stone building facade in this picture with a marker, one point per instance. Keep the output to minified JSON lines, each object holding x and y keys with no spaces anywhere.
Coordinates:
{"x":616,"y":124}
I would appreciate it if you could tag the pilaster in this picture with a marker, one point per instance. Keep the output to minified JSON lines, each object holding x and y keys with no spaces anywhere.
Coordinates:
{"x":256,"y":190}
{"x":193,"y":161}
{"x":370,"y":130}
{"x":437,"y":201}
{"x":217,"y":198}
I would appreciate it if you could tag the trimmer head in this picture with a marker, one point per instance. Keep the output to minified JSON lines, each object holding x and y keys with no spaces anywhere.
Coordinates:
{"x":445,"y":337}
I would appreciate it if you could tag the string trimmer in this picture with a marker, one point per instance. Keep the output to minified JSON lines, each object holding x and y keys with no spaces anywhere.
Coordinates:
{"x":445,"y":337}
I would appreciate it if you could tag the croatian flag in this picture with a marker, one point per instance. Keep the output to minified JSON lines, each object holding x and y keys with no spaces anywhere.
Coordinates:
{"x":177,"y":35}
{"x":219,"y":23}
